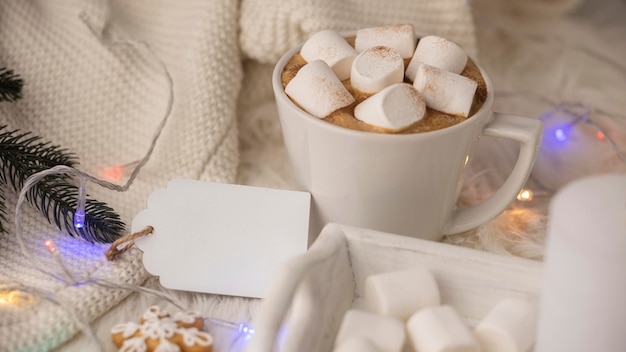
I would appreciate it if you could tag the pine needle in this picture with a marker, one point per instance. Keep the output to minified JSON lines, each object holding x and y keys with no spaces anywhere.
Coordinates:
{"x":10,"y":85}
{"x":22,"y":155}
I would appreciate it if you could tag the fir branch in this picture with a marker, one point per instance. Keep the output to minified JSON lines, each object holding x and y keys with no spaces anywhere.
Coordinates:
{"x":57,"y":199}
{"x":10,"y":85}
{"x":22,"y":155}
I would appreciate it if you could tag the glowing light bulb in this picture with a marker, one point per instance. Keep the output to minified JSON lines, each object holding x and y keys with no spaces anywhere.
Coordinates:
{"x":9,"y":298}
{"x":525,"y":195}
{"x":6,"y":298}
{"x":243,"y":329}
{"x":560,"y":135}
{"x":114,"y":173}
{"x":79,"y":215}
{"x":50,"y":246}
{"x":246,"y":330}
{"x":16,"y":298}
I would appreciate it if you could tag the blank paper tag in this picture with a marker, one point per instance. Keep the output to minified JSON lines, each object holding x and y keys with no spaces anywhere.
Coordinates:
{"x":221,"y":238}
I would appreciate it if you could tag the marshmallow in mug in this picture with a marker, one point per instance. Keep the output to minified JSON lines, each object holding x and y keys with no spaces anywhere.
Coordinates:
{"x":332,"y":48}
{"x":371,"y":72}
{"x":393,"y":108}
{"x":445,"y":91}
{"x":400,"y":37}
{"x":376,"y":68}
{"x":439,"y":52}
{"x":318,"y":90}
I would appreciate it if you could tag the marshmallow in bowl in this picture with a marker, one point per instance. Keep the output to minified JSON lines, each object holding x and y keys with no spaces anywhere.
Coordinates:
{"x":386,"y":333}
{"x":445,"y":91}
{"x":318,"y":90}
{"x":440,"y":328}
{"x":393,"y":108}
{"x":509,"y":327}
{"x":419,"y":290}
{"x":331,"y":47}
{"x":400,"y":37}
{"x":376,"y":68}
{"x":357,"y":344}
{"x":438,"y":52}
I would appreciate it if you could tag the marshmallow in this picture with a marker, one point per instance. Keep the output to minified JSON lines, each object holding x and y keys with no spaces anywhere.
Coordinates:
{"x":317,"y":90}
{"x":401,"y":293}
{"x":445,"y":91}
{"x":440,"y":329}
{"x":438,"y":52}
{"x":400,"y":37}
{"x":331,"y":47}
{"x":386,"y":333}
{"x":393,"y":108}
{"x":509,"y":327}
{"x":376,"y":68}
{"x":356,"y":344}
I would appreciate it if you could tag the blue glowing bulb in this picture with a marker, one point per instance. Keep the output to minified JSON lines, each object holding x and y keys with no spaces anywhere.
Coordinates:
{"x":79,"y":219}
{"x":79,"y":214}
{"x":246,"y":330}
{"x":560,"y":135}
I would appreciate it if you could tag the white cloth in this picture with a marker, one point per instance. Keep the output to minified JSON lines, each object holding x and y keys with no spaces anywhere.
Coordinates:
{"x":269,"y":27}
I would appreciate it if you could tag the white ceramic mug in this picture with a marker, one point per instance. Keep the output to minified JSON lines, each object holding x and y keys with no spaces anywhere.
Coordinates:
{"x":406,"y":184}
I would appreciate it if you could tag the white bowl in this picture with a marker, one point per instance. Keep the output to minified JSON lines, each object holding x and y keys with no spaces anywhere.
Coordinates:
{"x":311,"y":293}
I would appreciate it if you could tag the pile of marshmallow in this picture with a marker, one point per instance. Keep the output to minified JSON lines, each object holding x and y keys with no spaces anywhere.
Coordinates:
{"x":408,"y":302}
{"x":375,"y":65}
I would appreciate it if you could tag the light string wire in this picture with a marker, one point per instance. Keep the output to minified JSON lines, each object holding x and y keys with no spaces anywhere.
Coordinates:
{"x":580,"y":113}
{"x":48,"y":296}
{"x":83,"y":176}
{"x":67,"y":276}
{"x":578,"y":116}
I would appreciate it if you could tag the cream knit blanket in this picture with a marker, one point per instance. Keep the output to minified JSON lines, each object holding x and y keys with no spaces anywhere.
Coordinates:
{"x":90,"y":91}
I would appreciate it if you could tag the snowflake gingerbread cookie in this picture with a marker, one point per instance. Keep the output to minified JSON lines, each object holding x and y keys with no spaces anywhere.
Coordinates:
{"x":158,"y":331}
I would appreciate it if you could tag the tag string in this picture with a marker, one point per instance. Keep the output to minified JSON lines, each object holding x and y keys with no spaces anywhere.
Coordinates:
{"x":115,"y":248}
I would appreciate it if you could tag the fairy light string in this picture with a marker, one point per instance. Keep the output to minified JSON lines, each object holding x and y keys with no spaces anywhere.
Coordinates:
{"x":17,"y":295}
{"x":580,"y":111}
{"x":577,"y":111}
{"x":559,"y":133}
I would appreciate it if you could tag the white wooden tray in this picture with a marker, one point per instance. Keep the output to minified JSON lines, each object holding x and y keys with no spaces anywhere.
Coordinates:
{"x":311,"y":293}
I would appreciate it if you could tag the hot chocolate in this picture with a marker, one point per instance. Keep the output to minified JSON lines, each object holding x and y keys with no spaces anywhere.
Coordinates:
{"x":402,"y":184}
{"x":432,"y":120}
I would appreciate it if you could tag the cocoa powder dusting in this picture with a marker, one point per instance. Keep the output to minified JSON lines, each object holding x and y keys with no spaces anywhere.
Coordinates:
{"x":433,"y":119}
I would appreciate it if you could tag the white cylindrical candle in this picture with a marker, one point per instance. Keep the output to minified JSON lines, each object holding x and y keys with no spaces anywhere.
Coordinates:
{"x":583,"y":296}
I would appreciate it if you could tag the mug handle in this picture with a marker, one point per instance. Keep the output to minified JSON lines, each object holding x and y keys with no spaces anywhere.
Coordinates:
{"x":528,"y":132}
